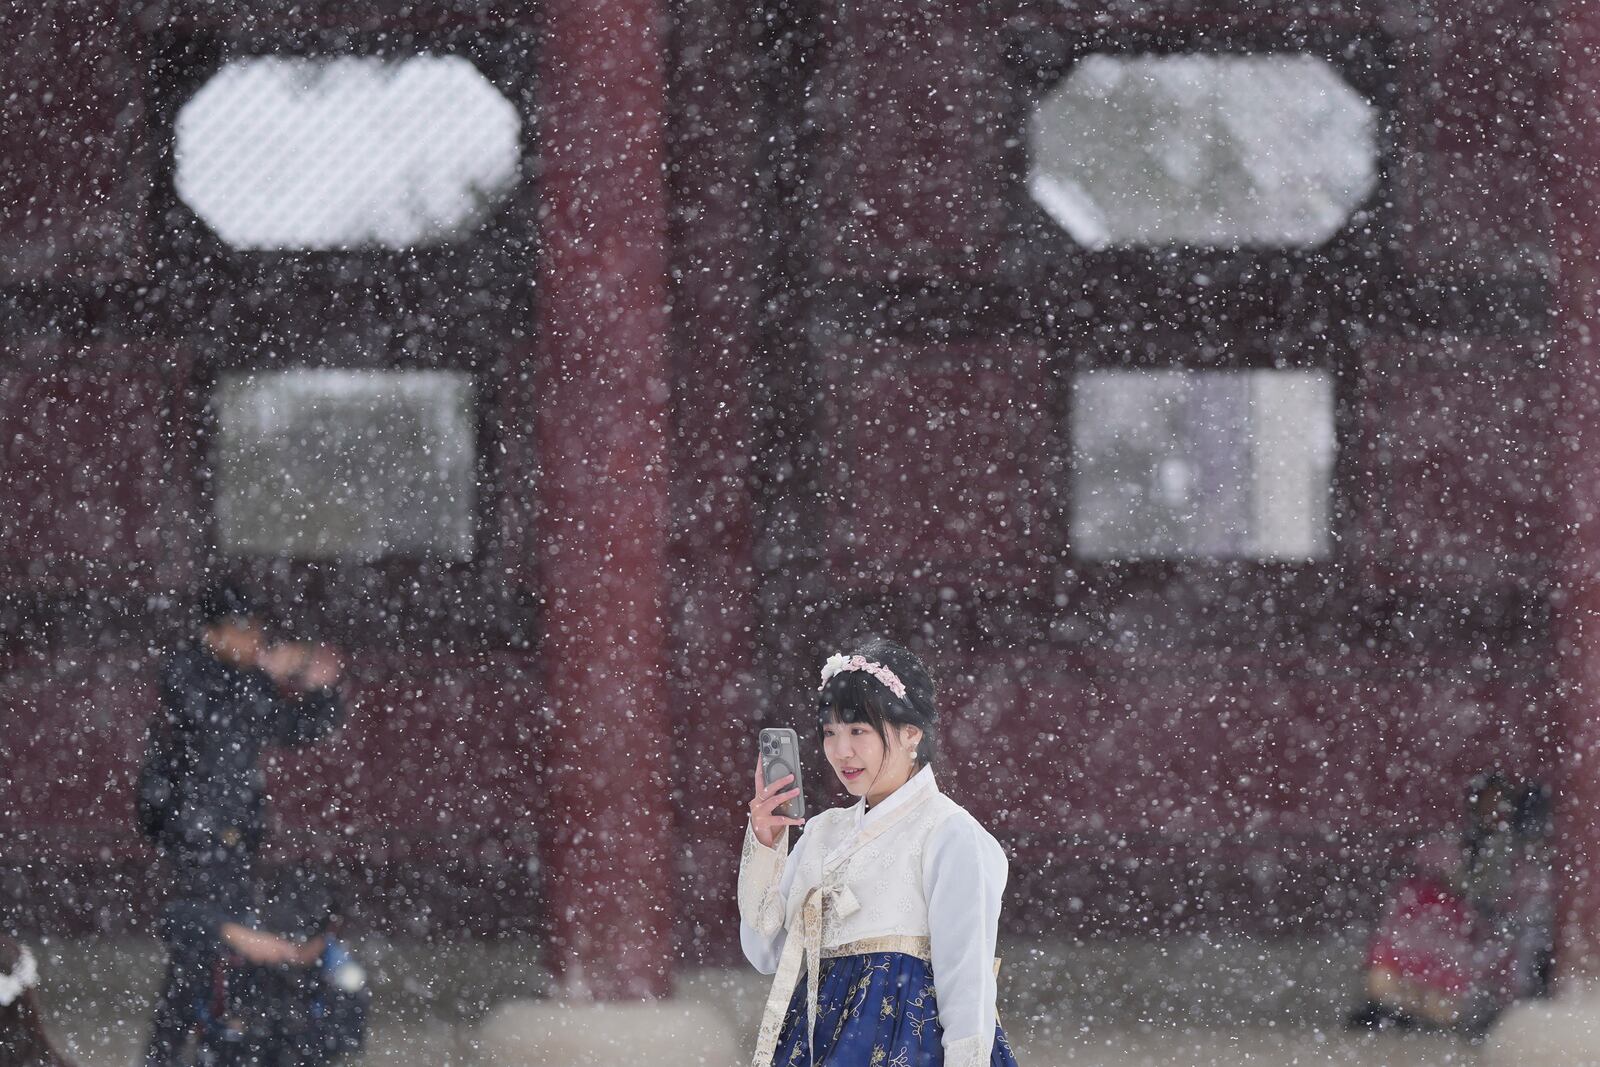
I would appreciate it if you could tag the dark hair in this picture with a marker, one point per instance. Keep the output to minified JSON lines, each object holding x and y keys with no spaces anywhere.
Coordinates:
{"x":225,"y":600}
{"x":1533,"y":811}
{"x":858,"y":697}
{"x":1488,"y":784}
{"x":23,"y":1042}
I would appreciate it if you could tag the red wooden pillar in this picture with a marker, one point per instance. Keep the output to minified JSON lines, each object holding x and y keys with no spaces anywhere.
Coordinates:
{"x":716,"y":135}
{"x":603,"y":412}
{"x":1576,"y":152}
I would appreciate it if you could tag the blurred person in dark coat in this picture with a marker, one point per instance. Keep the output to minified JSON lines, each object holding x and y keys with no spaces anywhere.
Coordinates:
{"x":225,"y":697}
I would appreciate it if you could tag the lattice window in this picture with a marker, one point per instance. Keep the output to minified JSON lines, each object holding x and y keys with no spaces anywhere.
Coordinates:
{"x":291,"y":153}
{"x":332,"y":464}
{"x":1266,"y":150}
{"x":1220,"y":464}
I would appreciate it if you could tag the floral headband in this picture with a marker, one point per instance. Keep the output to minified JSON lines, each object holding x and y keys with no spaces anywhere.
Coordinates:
{"x":19,"y":981}
{"x":838,"y":664}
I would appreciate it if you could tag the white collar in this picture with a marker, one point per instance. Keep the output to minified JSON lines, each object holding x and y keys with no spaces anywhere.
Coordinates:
{"x":918,"y":782}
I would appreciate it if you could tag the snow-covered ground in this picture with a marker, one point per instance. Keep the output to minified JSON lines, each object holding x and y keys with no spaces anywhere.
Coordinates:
{"x":1175,"y":1002}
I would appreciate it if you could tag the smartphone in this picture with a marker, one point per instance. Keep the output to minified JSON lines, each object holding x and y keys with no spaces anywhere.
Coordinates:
{"x":780,"y":756}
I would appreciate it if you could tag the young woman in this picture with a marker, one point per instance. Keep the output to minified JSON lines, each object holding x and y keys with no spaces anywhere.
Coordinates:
{"x":889,"y":906}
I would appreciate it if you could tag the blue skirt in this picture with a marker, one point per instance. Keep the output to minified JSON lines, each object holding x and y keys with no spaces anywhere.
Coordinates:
{"x":876,"y":1010}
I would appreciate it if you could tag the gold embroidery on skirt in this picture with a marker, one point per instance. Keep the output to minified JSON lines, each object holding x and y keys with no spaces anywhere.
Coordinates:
{"x":909,"y":944}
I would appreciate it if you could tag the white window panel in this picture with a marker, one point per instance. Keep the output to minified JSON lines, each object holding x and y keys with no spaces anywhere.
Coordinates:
{"x":329,"y":464}
{"x":350,"y":152}
{"x":1263,"y":150}
{"x":1218,"y":464}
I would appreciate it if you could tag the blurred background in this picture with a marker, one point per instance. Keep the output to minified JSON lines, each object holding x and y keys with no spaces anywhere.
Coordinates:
{"x":1205,"y":390}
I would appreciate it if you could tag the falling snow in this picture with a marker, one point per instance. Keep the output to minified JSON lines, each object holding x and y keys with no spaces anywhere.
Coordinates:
{"x":1204,"y":391}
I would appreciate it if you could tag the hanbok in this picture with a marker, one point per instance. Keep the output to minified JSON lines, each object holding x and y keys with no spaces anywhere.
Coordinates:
{"x":890,"y":917}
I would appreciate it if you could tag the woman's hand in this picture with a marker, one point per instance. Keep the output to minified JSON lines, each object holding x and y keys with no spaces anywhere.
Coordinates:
{"x":269,"y":950}
{"x":324,"y":667}
{"x":767,"y":825}
{"x":300,"y":667}
{"x":284,"y":661}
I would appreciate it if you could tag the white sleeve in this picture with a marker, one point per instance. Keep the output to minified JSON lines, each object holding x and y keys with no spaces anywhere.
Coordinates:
{"x":765,"y":875}
{"x":964,"y":872}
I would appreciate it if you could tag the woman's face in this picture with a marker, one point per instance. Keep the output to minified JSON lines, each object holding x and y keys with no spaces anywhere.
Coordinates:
{"x":867,"y":767}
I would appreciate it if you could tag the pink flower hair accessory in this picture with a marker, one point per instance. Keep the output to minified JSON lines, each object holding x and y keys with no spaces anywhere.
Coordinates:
{"x":839,"y":663}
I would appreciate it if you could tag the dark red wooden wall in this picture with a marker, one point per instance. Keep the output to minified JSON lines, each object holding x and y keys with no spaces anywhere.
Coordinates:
{"x":852,"y":261}
{"x":1174,"y":743}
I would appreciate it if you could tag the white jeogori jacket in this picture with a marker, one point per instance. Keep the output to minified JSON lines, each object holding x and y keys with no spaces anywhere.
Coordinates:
{"x":915,"y":874}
